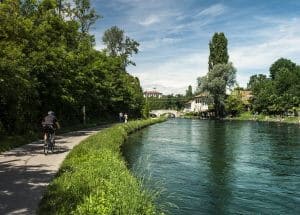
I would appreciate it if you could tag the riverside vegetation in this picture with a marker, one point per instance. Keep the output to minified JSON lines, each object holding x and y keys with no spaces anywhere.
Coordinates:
{"x":49,"y":62}
{"x":94,"y":178}
{"x":277,"y":94}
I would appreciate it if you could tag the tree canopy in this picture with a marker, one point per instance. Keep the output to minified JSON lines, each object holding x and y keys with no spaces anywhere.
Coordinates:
{"x":218,"y":53}
{"x":119,"y":45}
{"x":47,"y":62}
{"x":280,"y":92}
{"x":189,"y":92}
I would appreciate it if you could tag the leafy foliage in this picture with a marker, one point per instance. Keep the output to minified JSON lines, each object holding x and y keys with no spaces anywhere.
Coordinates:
{"x":47,"y":61}
{"x":278,"y":94}
{"x":218,"y":53}
{"x":175,"y":102}
{"x":119,"y":45}
{"x":281,"y":64}
{"x":216,"y":81}
{"x":234,"y":104}
{"x":189,"y":92}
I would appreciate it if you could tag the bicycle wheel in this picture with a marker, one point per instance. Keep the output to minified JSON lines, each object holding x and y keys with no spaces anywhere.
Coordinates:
{"x":51,"y":143}
{"x":45,"y":147}
{"x":47,"y":144}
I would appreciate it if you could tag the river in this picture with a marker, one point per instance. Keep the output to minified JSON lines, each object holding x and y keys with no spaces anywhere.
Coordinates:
{"x":219,"y":167}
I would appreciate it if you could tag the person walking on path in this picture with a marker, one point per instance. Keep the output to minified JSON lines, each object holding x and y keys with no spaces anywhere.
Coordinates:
{"x":121,"y":117}
{"x":125,"y":118}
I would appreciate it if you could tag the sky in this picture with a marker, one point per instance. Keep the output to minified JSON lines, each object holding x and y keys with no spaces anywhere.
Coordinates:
{"x":174,"y":36}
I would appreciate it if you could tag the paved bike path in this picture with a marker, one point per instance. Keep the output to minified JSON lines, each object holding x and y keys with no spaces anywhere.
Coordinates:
{"x":25,"y":172}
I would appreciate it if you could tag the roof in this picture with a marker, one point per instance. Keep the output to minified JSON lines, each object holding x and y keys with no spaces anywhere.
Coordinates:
{"x":189,"y":102}
{"x":152,"y":92}
{"x":204,"y":94}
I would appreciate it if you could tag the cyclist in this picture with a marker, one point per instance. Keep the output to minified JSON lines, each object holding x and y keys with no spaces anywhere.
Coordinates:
{"x":50,"y":124}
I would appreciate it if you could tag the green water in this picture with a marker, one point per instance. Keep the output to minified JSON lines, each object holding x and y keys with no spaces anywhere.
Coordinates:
{"x":214,"y":167}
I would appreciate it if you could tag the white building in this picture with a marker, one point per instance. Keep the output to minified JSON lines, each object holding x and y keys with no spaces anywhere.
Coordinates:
{"x":197,"y":104}
{"x":153,"y":93}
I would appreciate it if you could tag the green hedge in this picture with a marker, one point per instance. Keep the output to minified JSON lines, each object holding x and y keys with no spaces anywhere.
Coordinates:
{"x":94,"y":178}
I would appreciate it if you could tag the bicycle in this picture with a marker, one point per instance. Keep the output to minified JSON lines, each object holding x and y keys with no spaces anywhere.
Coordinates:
{"x":49,"y":142}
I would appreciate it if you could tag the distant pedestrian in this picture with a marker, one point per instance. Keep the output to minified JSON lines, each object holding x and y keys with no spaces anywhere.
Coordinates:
{"x":121,"y":117}
{"x":125,"y":117}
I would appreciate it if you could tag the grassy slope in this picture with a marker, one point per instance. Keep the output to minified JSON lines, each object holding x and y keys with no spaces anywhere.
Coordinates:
{"x":94,"y":178}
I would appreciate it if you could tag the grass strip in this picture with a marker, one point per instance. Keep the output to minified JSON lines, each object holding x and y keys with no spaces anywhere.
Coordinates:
{"x":94,"y":179}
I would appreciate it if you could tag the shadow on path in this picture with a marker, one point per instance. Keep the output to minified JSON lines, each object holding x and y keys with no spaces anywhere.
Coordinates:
{"x":25,"y":172}
{"x":31,"y":180}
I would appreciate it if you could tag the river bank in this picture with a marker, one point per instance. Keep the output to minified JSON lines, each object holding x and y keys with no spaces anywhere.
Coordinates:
{"x":94,"y":178}
{"x":247,"y":116}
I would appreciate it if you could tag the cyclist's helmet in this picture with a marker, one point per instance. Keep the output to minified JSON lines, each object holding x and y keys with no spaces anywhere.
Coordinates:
{"x":50,"y":112}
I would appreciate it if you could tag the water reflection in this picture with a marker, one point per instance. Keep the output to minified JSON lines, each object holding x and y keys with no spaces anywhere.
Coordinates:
{"x":215,"y":167}
{"x":221,"y":158}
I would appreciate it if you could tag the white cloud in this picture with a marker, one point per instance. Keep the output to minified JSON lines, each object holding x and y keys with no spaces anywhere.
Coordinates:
{"x":99,"y":46}
{"x":174,"y":74}
{"x":158,"y":42}
{"x":152,"y":19}
{"x":273,"y":39}
{"x":174,"y":40}
{"x":279,"y":42}
{"x":272,"y":43}
{"x":213,"y":11}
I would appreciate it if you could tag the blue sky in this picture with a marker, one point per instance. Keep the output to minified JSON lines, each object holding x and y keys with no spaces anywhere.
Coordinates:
{"x":174,"y":36}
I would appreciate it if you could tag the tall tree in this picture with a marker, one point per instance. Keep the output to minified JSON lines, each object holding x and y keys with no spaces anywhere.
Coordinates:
{"x":218,"y":50}
{"x":85,"y":15}
{"x":119,"y":45}
{"x":280,"y":64}
{"x":254,"y":80}
{"x":189,"y":92}
{"x":221,"y":74}
{"x":220,"y":78}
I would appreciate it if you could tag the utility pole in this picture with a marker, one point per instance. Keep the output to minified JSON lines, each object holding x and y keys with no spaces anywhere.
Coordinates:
{"x":83,"y":113}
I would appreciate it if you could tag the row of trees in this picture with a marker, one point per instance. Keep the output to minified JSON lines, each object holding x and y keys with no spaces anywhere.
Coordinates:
{"x":278,"y":93}
{"x":174,"y":102}
{"x":273,"y":95}
{"x":47,"y":62}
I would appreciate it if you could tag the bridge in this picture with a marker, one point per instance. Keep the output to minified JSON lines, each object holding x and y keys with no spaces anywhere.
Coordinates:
{"x":158,"y":113}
